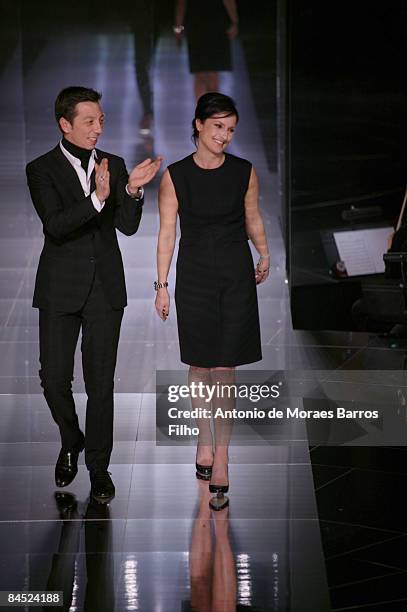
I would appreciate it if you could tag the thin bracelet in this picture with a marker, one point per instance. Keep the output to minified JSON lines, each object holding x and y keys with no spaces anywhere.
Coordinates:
{"x":265,"y":256}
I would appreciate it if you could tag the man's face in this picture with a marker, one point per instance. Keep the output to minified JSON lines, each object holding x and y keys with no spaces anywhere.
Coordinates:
{"x":86,"y":126}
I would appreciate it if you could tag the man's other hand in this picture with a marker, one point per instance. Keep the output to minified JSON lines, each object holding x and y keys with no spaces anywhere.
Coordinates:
{"x":143,"y":173}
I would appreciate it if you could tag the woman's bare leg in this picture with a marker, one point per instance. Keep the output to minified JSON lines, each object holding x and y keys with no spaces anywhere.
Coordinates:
{"x":223,"y":426}
{"x":205,"y":82}
{"x":224,"y":591}
{"x":204,"y":454}
{"x":200,"y":554}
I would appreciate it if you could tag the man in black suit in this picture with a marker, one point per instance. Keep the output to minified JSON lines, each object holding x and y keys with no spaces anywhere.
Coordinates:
{"x":82,"y":195}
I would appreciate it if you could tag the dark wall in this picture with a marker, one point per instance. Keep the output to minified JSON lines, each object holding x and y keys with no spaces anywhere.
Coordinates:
{"x":347,"y":139}
{"x":257,"y":33}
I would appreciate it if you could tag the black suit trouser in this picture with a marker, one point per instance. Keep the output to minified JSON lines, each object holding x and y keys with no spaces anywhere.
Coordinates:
{"x":59,"y":334}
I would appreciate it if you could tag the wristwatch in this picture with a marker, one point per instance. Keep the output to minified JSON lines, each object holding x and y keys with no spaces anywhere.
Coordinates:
{"x":136,"y":196}
{"x":158,"y":285}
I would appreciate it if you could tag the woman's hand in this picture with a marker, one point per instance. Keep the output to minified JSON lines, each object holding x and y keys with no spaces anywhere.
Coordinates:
{"x":232,"y":31}
{"x":162,"y":303}
{"x":179,"y":34}
{"x":262,"y":270}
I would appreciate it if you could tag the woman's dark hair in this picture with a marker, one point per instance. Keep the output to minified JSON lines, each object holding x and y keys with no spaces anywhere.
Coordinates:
{"x":68,"y":98}
{"x":210,"y":104}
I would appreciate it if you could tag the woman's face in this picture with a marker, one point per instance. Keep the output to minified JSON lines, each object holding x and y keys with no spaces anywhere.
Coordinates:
{"x":216,"y":132}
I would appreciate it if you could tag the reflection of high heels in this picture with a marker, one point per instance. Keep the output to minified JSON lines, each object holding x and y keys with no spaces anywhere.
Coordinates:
{"x":219,"y":500}
{"x":203,"y":472}
{"x":219,"y":488}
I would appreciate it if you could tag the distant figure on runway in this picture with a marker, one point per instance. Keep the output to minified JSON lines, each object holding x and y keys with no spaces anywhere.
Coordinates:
{"x":145,"y":39}
{"x":216,"y":197}
{"x":82,"y":195}
{"x":209,"y":27}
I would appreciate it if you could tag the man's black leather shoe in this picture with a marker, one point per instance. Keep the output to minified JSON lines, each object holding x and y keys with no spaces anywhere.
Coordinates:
{"x":66,"y":467}
{"x":102,"y":487}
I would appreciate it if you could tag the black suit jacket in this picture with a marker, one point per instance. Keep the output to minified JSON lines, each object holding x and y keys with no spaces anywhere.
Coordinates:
{"x":77,"y":237}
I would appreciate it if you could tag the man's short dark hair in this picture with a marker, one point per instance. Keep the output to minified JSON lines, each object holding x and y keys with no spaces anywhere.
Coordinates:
{"x":68,"y":98}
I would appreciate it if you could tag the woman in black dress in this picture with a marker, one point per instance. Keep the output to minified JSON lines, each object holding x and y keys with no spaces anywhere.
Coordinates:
{"x":215,"y":195}
{"x":209,"y":27}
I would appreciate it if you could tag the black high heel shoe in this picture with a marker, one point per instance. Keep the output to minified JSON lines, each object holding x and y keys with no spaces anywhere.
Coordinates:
{"x":203,"y":472}
{"x":219,"y":500}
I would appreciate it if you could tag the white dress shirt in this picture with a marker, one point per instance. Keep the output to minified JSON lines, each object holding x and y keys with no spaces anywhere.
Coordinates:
{"x":83,"y":176}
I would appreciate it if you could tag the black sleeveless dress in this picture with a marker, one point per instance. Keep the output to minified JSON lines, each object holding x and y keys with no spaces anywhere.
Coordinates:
{"x":206,"y":22}
{"x":215,"y":293}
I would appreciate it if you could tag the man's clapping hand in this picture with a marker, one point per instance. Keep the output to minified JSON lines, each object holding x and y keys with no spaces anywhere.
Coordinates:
{"x":102,"y":180}
{"x":143,"y":173}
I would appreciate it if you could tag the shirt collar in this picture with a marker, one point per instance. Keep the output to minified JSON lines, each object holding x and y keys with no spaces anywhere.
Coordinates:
{"x":75,"y":161}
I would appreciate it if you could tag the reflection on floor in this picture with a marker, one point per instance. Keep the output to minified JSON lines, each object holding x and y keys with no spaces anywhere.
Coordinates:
{"x":157,"y":547}
{"x":362,"y":525}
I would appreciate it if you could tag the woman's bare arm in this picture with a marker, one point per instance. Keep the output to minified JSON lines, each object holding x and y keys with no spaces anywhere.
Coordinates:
{"x":180,"y":8}
{"x":255,"y":227}
{"x":168,"y":208}
{"x":231,"y":9}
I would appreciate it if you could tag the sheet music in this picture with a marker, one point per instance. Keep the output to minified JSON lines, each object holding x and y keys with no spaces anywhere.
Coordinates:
{"x":362,"y":250}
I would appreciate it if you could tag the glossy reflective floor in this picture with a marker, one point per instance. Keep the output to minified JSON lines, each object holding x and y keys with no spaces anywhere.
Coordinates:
{"x":157,"y":547}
